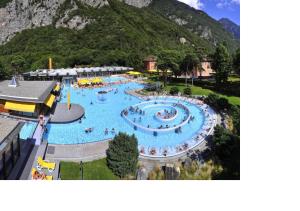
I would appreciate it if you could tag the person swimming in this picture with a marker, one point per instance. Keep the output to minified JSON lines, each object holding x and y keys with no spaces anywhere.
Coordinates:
{"x":88,"y":130}
{"x":106,"y":131}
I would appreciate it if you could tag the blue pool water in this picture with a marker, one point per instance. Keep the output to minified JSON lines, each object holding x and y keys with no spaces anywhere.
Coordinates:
{"x":106,"y":113}
{"x":113,"y":79}
{"x":27,"y":130}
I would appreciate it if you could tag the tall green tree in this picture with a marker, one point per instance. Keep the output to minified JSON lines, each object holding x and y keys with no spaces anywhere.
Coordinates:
{"x":221,"y":64}
{"x":189,"y":63}
{"x":226,"y":146}
{"x":168,"y":60}
{"x":17,"y":63}
{"x":122,"y":155}
{"x":2,"y":72}
{"x":236,"y":61}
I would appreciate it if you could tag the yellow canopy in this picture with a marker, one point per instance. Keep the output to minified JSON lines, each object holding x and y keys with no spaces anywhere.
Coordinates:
{"x":57,"y":88}
{"x":83,"y":82}
{"x":50,"y":100}
{"x":20,"y":106}
{"x":134,"y":73}
{"x":97,"y":80}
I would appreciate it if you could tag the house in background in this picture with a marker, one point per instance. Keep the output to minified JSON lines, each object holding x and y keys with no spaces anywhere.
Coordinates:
{"x":206,"y":72}
{"x":150,"y":63}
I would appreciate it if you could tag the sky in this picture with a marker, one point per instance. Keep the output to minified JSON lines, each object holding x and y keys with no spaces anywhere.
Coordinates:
{"x":218,"y":8}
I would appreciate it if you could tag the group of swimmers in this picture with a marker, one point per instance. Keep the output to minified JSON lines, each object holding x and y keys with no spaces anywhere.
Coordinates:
{"x":167,"y":114}
{"x":191,"y":119}
{"x":88,"y":130}
{"x":178,"y":130}
{"x":140,"y":119}
{"x":112,"y":131}
{"x":162,"y":127}
{"x":133,"y":110}
{"x":136,"y":110}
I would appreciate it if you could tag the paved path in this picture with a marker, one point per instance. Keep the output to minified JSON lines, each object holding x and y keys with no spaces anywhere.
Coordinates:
{"x":39,"y":131}
{"x":77,"y":152}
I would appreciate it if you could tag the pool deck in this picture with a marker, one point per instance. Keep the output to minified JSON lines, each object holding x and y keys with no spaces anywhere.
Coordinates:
{"x":97,"y":150}
{"x":32,"y":163}
{"x":61,"y":113}
{"x":77,"y":152}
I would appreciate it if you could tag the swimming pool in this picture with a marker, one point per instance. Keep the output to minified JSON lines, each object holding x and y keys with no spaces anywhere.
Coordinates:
{"x":106,"y":113}
{"x":113,"y":79}
{"x":28,"y":130}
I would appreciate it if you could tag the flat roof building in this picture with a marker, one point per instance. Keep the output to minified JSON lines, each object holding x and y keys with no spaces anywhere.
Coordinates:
{"x":72,"y":73}
{"x":27,"y":98}
{"x":9,"y":145}
{"x":27,"y":91}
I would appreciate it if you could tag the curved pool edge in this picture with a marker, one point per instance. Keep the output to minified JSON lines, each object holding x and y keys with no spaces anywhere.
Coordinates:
{"x":101,"y":154}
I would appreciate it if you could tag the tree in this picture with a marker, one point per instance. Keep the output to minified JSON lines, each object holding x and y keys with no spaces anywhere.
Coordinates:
{"x":226,"y":146}
{"x":174,"y":90}
{"x":189,"y":63}
{"x":187,"y":91}
{"x":122,"y":155}
{"x":221,"y":64}
{"x":236,"y":62}
{"x":200,"y":54}
{"x":168,"y":60}
{"x":2,"y":72}
{"x":17,"y":63}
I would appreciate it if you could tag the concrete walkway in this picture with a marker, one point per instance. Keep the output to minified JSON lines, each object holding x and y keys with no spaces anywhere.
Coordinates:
{"x":39,"y":131}
{"x":61,"y":113}
{"x":77,"y":152}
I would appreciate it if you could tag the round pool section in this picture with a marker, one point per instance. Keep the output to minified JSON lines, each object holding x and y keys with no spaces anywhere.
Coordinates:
{"x":157,"y":116}
{"x":187,"y":123}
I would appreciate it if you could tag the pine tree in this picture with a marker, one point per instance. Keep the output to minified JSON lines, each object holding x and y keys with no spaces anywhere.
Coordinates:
{"x":122,"y":155}
{"x":221,"y":64}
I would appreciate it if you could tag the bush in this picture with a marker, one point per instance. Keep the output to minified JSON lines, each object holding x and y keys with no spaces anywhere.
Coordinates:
{"x":212,"y":100}
{"x":219,"y":103}
{"x":235,"y":113}
{"x":174,"y":90}
{"x":187,"y":91}
{"x":226,"y":146}
{"x":156,"y":174}
{"x":223,"y":103}
{"x":122,"y":155}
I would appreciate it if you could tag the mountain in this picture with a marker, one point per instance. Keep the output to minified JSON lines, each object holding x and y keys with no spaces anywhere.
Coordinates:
{"x":231,"y":27}
{"x":100,"y":32}
{"x":195,"y":21}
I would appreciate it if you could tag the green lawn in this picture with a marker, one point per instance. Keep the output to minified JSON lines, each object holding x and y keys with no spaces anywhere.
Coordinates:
{"x":234,"y":78}
{"x":95,"y":170}
{"x":200,"y":91}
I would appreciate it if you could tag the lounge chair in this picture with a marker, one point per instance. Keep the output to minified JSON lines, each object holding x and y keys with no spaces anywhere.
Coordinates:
{"x":49,"y":178}
{"x":43,"y":164}
{"x":35,"y":175}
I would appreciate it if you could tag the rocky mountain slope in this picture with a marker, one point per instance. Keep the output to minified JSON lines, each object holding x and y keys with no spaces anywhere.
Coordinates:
{"x":231,"y":27}
{"x":18,"y":15}
{"x":195,"y":21}
{"x":102,"y":32}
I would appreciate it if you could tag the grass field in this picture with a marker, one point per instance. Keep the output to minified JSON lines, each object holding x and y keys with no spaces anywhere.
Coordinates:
{"x":95,"y":170}
{"x":200,"y":91}
{"x":234,"y":79}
